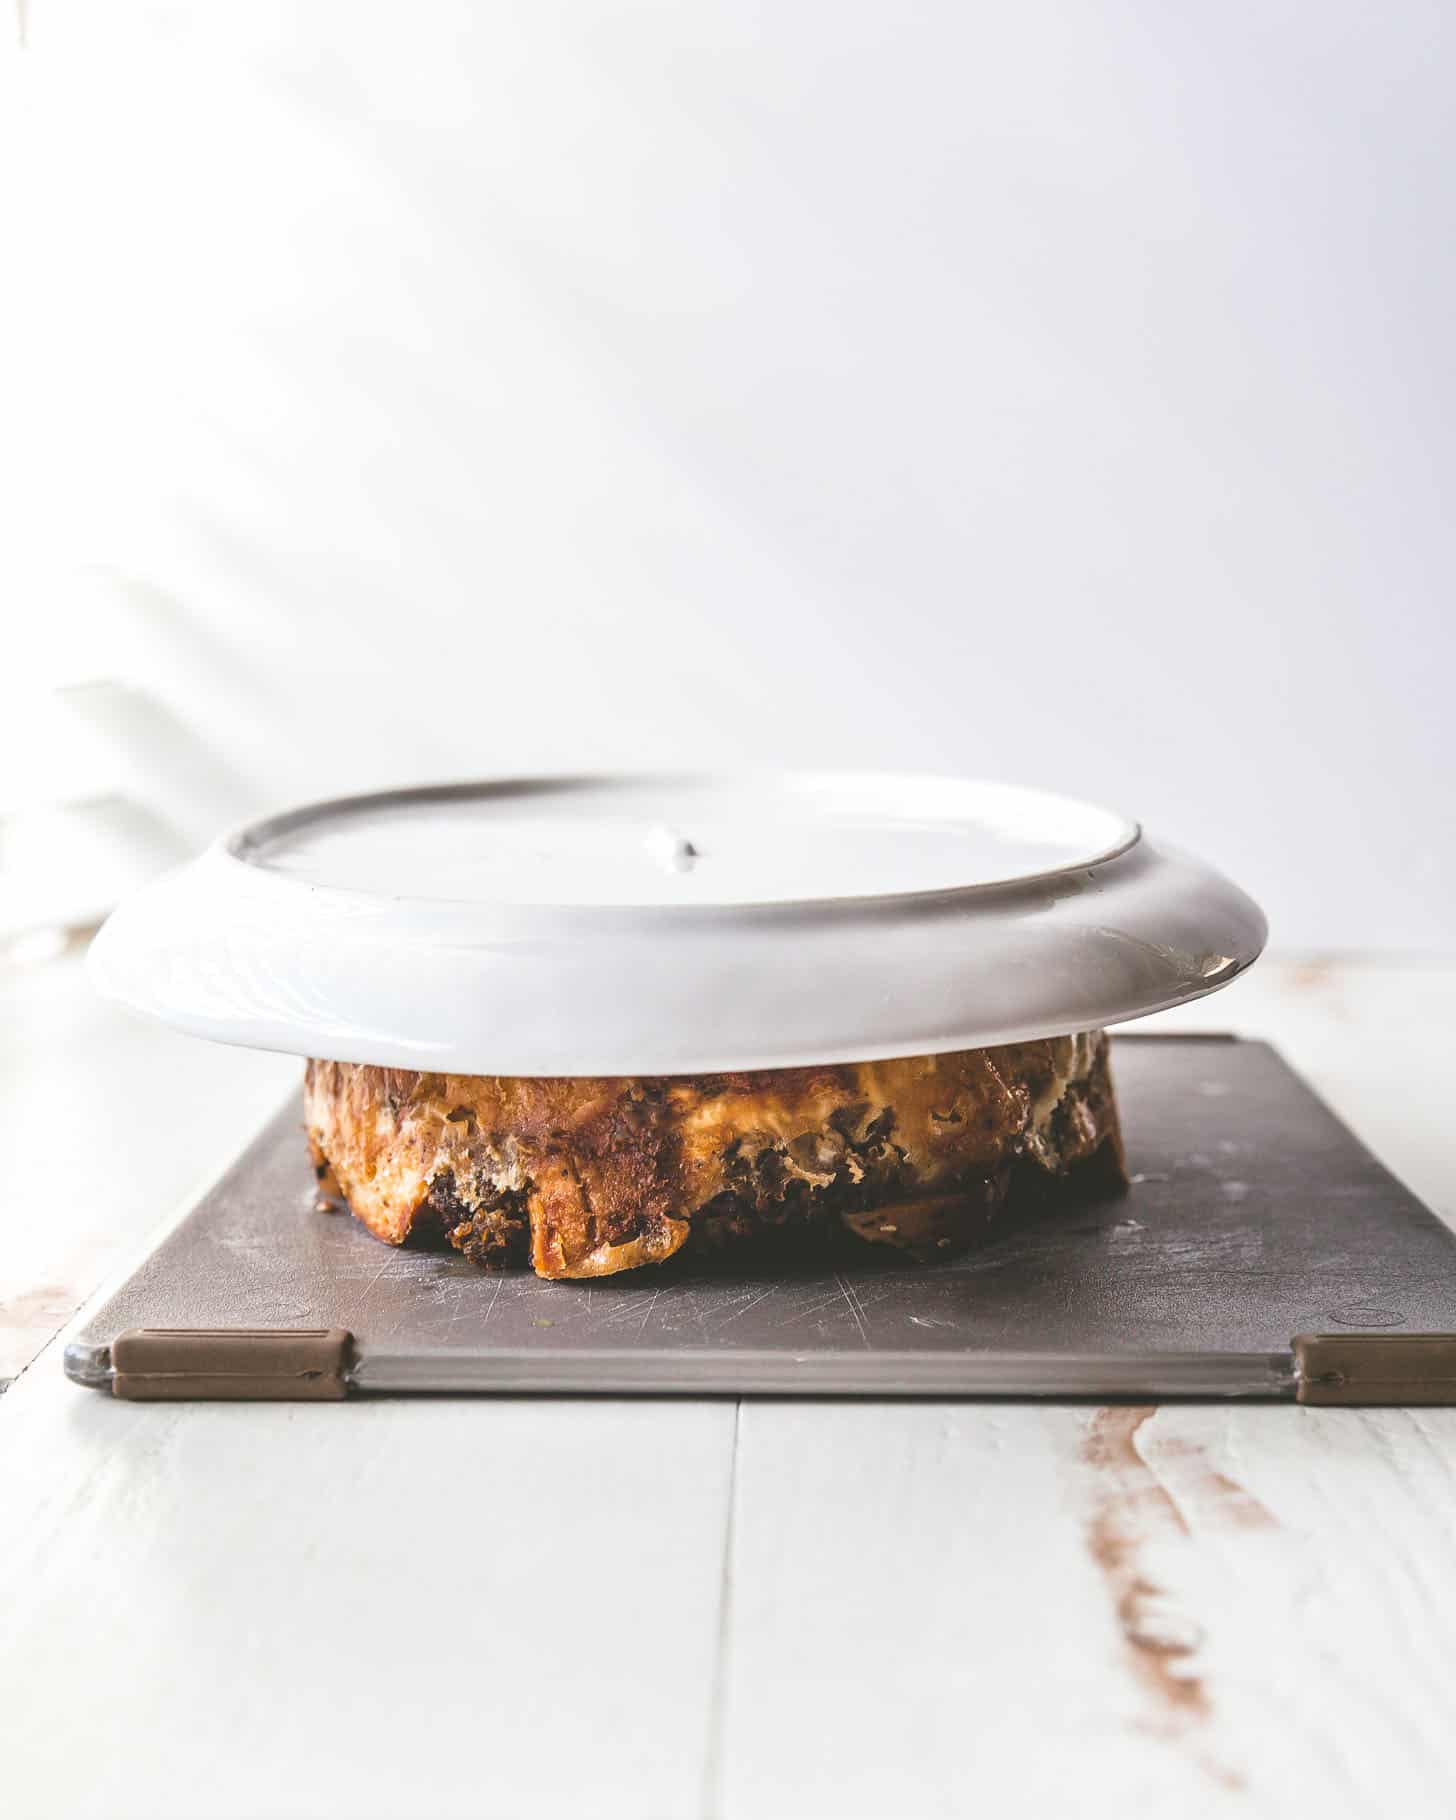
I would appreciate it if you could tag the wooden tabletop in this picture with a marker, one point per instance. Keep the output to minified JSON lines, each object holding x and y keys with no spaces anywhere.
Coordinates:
{"x":555,"y":1607}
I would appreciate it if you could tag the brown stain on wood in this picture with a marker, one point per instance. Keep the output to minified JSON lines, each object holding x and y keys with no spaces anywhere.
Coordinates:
{"x":1132,"y":1510}
{"x":1311,"y":975}
{"x":1225,"y":1500}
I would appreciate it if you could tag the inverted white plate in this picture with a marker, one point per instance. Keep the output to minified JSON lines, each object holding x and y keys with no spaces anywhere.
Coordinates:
{"x":663,"y":925}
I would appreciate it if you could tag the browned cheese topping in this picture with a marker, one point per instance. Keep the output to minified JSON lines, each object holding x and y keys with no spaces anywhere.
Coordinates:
{"x":588,"y":1177}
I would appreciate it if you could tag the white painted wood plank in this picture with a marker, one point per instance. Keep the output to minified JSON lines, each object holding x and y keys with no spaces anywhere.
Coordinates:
{"x":1035,"y":1611}
{"x":1316,"y":1561}
{"x":915,"y":1625}
{"x":488,"y":1608}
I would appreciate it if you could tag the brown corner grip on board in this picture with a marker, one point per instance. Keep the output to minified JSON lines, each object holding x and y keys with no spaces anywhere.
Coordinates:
{"x":236,"y":1364}
{"x":1390,"y":1368}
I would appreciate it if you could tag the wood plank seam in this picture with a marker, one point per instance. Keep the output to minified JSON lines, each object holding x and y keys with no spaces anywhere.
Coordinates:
{"x":712,"y":1786}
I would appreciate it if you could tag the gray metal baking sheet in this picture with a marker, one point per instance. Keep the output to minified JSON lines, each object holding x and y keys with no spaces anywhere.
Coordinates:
{"x":1254,"y":1215}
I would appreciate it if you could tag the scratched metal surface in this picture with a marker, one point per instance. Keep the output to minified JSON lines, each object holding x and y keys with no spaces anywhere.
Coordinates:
{"x":1254,"y":1215}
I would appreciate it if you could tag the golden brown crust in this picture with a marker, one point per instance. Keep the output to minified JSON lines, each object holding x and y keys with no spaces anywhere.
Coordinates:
{"x":588,"y":1177}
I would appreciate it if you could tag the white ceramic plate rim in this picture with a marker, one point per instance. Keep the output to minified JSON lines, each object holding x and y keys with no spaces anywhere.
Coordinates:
{"x":232,"y":951}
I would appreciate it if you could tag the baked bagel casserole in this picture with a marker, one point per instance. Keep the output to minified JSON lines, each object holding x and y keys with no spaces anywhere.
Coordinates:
{"x":587,"y":1177}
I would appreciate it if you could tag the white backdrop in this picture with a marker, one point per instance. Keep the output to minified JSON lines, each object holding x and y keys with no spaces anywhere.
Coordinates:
{"x":1056,"y":391}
